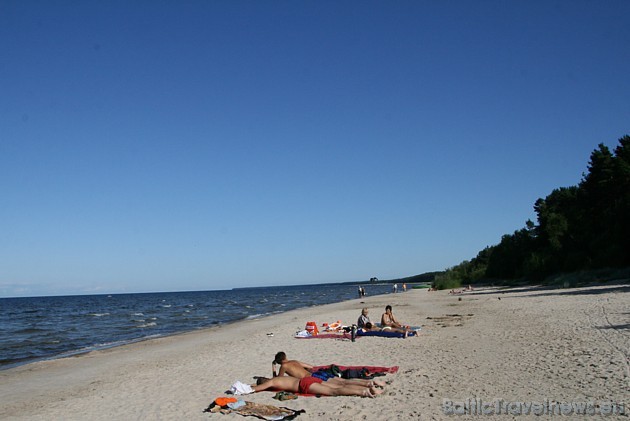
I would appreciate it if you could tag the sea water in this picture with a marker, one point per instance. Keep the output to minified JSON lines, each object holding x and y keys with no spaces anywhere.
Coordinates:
{"x":37,"y":328}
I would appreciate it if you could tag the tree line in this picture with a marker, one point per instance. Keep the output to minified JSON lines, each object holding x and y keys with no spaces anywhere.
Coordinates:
{"x":583,"y":227}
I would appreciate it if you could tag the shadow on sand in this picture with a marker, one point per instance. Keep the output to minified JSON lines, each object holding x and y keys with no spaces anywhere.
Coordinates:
{"x":621,"y":286}
{"x":616,"y":327}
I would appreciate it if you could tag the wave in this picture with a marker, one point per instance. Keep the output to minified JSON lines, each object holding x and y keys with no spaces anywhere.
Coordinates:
{"x":31,"y":330}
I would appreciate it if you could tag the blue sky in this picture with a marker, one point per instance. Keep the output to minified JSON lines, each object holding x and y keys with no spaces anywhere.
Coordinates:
{"x":166,"y":145}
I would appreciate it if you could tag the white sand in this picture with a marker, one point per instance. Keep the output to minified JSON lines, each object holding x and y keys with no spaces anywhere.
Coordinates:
{"x":568,"y":345}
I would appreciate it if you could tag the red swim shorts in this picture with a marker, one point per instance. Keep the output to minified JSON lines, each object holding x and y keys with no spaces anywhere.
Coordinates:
{"x":306,"y":382}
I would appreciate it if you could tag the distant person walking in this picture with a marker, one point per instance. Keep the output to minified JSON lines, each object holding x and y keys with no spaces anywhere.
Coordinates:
{"x":395,"y":288}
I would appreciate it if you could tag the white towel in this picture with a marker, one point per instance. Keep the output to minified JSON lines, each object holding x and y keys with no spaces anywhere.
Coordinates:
{"x":302,"y":334}
{"x":240,"y":388}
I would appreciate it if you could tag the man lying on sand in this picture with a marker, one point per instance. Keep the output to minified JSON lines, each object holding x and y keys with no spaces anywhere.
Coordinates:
{"x":369,"y":327}
{"x":300,"y":370}
{"x":315,"y":386}
{"x":291,"y":368}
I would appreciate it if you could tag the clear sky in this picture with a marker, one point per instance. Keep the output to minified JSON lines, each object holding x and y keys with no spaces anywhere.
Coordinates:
{"x":194,"y":145}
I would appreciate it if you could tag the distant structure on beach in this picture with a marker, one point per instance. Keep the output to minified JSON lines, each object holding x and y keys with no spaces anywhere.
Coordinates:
{"x":375,"y":279}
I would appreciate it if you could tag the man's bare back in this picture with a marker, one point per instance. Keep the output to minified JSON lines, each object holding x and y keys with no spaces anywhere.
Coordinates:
{"x":295,"y":369}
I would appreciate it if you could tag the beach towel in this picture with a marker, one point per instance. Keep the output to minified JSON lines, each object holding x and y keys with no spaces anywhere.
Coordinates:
{"x":258,"y":410}
{"x":385,"y":334}
{"x":371,"y":369}
{"x":340,"y":335}
{"x":240,"y":388}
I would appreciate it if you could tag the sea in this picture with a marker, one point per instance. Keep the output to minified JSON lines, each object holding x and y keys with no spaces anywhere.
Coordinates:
{"x":41,"y":328}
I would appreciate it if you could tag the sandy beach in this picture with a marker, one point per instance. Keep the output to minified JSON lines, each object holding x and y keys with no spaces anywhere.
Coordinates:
{"x":529,"y":345}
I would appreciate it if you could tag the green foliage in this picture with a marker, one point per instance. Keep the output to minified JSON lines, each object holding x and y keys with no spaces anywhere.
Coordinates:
{"x":417,"y":279}
{"x":580,"y":228}
{"x":446,"y":281}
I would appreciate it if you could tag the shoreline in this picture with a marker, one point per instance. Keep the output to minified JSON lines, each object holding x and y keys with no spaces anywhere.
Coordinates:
{"x":168,"y":327}
{"x":521,"y":344}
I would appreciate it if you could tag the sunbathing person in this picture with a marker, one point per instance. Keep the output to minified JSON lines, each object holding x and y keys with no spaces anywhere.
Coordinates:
{"x":291,"y":368}
{"x":300,"y":370}
{"x":315,"y":386}
{"x":369,"y":327}
{"x":389,"y":322}
{"x":363,"y":319}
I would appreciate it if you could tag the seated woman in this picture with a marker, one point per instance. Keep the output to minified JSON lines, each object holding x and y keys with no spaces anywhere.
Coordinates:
{"x":389,"y":322}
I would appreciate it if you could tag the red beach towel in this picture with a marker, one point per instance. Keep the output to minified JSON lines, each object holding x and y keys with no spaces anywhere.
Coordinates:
{"x":372,"y":369}
{"x":343,"y":335}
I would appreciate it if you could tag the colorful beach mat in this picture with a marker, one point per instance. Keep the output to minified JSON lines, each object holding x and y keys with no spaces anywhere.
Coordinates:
{"x":258,"y":410}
